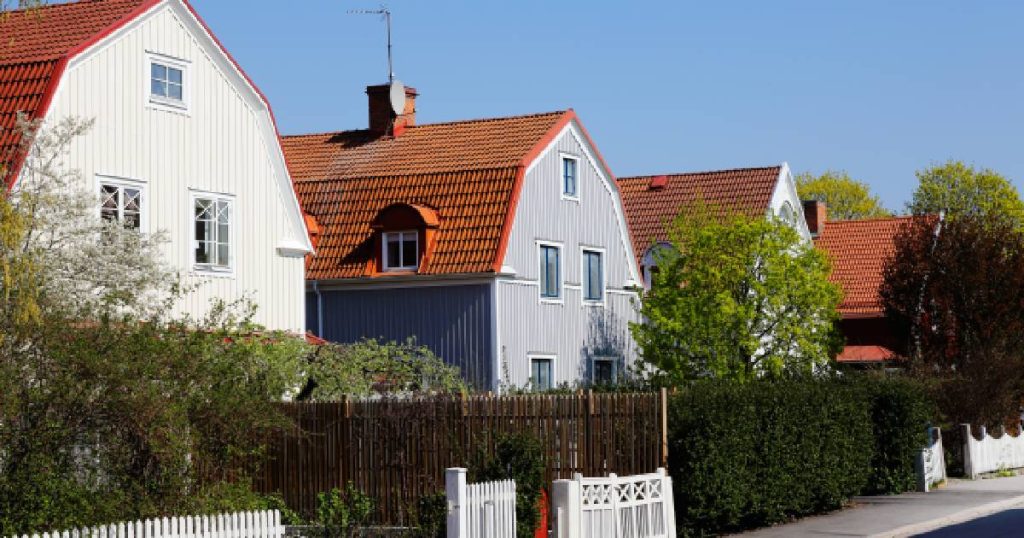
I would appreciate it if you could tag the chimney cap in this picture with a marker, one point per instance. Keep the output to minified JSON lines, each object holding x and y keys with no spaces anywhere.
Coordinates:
{"x":658,"y":182}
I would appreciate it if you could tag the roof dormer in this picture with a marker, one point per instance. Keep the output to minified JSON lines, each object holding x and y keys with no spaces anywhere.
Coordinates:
{"x":404,"y":237}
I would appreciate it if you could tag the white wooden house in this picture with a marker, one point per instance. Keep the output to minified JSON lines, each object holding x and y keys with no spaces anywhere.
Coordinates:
{"x":183,"y":141}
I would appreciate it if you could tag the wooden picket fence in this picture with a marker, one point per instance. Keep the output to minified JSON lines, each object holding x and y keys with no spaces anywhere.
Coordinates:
{"x":265,"y":524}
{"x":396,"y":451}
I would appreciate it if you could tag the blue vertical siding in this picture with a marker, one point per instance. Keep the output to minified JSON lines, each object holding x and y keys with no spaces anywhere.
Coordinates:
{"x":453,"y":321}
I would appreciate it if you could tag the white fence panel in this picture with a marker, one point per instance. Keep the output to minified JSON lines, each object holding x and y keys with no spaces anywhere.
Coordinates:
{"x":639,"y":506}
{"x":989,"y":453}
{"x":266,"y":524}
{"x":484,"y":510}
{"x":931,"y":462}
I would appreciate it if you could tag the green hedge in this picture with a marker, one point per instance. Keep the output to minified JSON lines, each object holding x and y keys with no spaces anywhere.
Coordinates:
{"x":755,"y":454}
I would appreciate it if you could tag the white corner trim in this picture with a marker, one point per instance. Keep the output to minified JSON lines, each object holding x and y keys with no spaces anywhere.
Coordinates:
{"x":291,"y":249}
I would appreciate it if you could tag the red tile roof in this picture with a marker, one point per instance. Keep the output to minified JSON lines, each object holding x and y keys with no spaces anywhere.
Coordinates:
{"x":865,"y":354}
{"x":35,"y":45}
{"x":858,"y":250}
{"x":651,"y":202}
{"x":469,"y":172}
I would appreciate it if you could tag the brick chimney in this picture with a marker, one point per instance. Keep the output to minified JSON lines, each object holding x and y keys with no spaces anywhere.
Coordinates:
{"x":816,"y":213}
{"x":382,"y":119}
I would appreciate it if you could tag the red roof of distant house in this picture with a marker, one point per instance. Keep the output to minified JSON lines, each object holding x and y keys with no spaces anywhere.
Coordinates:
{"x":858,"y":250}
{"x":865,"y":354}
{"x":467,"y":172}
{"x":651,"y":202}
{"x":34,"y":49}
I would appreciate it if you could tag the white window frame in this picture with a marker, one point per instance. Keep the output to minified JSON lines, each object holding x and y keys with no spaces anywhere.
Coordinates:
{"x":561,"y":273}
{"x":604,"y":358}
{"x":583,"y":276}
{"x":553,"y":359}
{"x":561,"y":176}
{"x":386,"y":266}
{"x":131,"y":183}
{"x":234,"y":244}
{"x":163,"y":103}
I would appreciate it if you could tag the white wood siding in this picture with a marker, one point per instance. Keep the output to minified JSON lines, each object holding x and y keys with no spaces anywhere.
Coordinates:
{"x":220,"y":145}
{"x":785,"y":193}
{"x":570,"y":331}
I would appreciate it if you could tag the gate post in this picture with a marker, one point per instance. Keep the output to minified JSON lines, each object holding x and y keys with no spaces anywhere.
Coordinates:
{"x":565,"y":504}
{"x":455,"y":490}
{"x":969,"y":463}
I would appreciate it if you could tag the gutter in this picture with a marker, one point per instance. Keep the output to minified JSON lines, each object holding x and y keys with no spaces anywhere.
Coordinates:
{"x":319,"y":309}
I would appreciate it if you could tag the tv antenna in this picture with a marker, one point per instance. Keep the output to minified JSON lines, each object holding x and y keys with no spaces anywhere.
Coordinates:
{"x":385,"y":14}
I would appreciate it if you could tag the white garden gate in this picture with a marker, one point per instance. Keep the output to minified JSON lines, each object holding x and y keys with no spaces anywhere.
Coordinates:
{"x":266,"y":524}
{"x":484,"y":510}
{"x":931,"y":462}
{"x":637,"y":506}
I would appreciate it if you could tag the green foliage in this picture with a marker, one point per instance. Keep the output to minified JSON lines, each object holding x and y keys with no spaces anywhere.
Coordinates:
{"x":760,"y":453}
{"x":519,"y":457}
{"x":737,"y":298}
{"x":371,"y":367}
{"x":846,"y":198}
{"x":962,"y":190}
{"x":430,"y":518}
{"x":226,"y":497}
{"x":342,"y":513}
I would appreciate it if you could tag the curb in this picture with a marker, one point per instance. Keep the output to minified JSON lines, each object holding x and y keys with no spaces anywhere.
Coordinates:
{"x":952,"y":519}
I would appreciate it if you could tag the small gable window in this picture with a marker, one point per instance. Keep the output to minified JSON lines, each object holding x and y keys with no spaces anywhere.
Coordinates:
{"x":593,"y":277}
{"x":168,"y":83}
{"x":401,"y":251}
{"x":570,"y":176}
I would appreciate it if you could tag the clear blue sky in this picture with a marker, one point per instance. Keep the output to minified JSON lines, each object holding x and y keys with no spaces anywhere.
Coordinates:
{"x":876,"y":88}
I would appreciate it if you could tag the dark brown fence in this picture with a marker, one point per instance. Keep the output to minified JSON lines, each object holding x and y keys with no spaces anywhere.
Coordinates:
{"x":397,"y":450}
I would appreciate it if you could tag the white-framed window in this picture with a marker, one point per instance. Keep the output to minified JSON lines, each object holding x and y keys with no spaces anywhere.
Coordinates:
{"x":593,"y":278}
{"x":213,"y":235}
{"x":787,"y":213}
{"x":401,"y":250}
{"x":570,"y":177}
{"x":550,"y":271}
{"x":123,"y":200}
{"x":542,"y":372}
{"x":604,"y":370}
{"x":167,"y":82}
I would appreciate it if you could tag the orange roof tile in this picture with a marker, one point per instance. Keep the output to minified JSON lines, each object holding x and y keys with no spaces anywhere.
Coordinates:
{"x":865,"y":354}
{"x":858,"y":250}
{"x":34,"y":47}
{"x":466,"y":171}
{"x":651,"y":202}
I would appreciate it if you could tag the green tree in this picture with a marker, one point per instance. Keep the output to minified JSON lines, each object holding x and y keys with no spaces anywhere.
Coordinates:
{"x":958,"y":189}
{"x":846,"y":198}
{"x":736,"y":298}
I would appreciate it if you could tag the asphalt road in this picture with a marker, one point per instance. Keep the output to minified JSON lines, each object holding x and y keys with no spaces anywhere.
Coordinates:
{"x":998,"y":525}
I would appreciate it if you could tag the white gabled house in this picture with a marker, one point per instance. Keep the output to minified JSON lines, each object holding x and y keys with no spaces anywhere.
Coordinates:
{"x":499,"y":243}
{"x":182,"y":141}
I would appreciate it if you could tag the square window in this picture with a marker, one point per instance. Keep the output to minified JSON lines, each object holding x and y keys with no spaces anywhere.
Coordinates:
{"x":604,"y":371}
{"x":401,"y":251}
{"x":122,"y":201}
{"x":167,"y":81}
{"x":541,"y":373}
{"x":570,"y":177}
{"x":593,"y":276}
{"x":213,"y":237}
{"x":550,"y":272}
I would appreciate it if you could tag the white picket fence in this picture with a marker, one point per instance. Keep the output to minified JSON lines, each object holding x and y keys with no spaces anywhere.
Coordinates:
{"x":484,"y":510}
{"x":990,"y":454}
{"x":637,"y":506}
{"x":931,"y":462}
{"x":266,"y":524}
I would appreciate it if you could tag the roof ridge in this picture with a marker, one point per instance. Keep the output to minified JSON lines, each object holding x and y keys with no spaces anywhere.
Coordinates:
{"x":54,"y":5}
{"x":698,"y":172}
{"x":394,"y":174}
{"x":875,"y":219}
{"x":441,"y":123}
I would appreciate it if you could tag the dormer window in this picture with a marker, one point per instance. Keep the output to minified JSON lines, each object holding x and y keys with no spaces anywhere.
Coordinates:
{"x":401,"y":251}
{"x":404,"y":234}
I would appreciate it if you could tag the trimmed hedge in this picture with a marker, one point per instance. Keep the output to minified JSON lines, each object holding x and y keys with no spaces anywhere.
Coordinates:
{"x":760,"y":453}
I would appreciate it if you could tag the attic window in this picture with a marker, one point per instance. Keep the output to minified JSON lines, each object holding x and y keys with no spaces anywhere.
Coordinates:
{"x":401,"y":251}
{"x":570,"y":177}
{"x":168,"y":83}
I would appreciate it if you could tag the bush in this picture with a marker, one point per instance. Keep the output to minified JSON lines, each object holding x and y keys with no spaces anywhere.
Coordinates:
{"x":519,"y":457}
{"x":760,"y":453}
{"x":342,"y":513}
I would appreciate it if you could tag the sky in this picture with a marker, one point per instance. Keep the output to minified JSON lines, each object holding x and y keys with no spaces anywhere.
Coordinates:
{"x":879,"y":89}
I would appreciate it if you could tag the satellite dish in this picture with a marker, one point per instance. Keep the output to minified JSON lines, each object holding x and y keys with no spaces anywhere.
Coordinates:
{"x":397,"y":97}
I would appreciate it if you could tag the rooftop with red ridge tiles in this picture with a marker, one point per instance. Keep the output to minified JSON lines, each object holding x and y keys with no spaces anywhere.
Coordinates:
{"x":652,"y":202}
{"x":466,"y":171}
